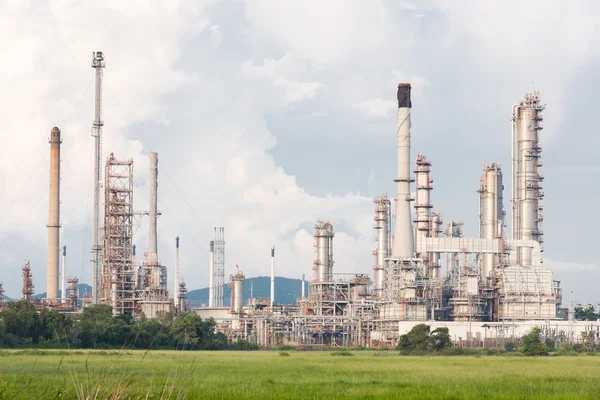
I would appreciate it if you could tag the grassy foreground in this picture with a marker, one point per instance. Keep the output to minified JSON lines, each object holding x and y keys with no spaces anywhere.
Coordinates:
{"x":302,"y":375}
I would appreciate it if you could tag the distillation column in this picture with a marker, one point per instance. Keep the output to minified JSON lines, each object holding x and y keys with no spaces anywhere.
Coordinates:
{"x":211,"y":275}
{"x":491,"y":214}
{"x":324,"y":247}
{"x":272,"y":276}
{"x":97,"y":63}
{"x":382,"y":219}
{"x":526,"y":178}
{"x":152,"y":238}
{"x":403,"y":238}
{"x":53,"y":216}
{"x":176,"y":288}
{"x":63,"y":277}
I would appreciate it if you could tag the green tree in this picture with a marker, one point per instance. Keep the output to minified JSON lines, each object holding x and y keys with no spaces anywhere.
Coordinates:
{"x":532,"y":345}
{"x":22,"y":321}
{"x":187,"y":331}
{"x":417,"y":339}
{"x":440,"y":338}
{"x":585,"y":314}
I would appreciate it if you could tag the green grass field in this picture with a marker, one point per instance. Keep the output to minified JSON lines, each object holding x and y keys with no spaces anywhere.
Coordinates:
{"x":302,"y":375}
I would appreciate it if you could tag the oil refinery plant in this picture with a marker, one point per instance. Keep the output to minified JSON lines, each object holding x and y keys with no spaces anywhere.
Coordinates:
{"x":424,"y":269}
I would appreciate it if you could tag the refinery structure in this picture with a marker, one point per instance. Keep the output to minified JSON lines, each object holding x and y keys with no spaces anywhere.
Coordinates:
{"x":423,"y":269}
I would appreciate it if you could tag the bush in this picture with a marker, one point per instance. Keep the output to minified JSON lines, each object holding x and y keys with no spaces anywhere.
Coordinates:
{"x":510,"y":346}
{"x":343,"y":353}
{"x":286,"y":347}
{"x":284,"y":353}
{"x":531,"y":343}
{"x":420,"y":340}
{"x":244,"y":345}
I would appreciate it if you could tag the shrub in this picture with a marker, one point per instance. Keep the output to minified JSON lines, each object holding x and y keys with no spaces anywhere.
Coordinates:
{"x":284,"y":353}
{"x":510,"y":346}
{"x":244,"y":345}
{"x":343,"y":353}
{"x":532,"y":345}
{"x":286,"y":347}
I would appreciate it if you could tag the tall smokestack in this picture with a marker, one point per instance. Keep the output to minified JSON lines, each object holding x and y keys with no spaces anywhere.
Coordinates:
{"x":403,"y":239}
{"x":303,"y":286}
{"x":211,"y":275}
{"x":176,"y":291}
{"x":272,"y":276}
{"x":63,"y":277}
{"x":152,"y":244}
{"x":53,"y":216}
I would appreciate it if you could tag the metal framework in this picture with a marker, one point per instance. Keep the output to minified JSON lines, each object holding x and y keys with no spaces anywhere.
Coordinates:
{"x":219,"y":266}
{"x":118,"y":274}
{"x":27,"y":282}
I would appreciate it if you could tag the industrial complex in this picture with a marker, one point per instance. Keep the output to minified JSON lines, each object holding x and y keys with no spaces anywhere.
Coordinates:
{"x":482,"y":288}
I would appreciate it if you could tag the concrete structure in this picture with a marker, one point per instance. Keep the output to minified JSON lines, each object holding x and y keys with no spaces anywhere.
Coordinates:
{"x":53,"y":217}
{"x":403,"y":238}
{"x":98,"y":64}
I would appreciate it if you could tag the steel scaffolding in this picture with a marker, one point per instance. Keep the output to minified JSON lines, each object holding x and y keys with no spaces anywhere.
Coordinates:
{"x":118,"y":274}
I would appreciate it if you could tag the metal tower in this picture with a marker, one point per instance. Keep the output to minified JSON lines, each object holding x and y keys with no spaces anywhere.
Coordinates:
{"x":97,"y":63}
{"x":219,"y":266}
{"x":27,"y":282}
{"x":382,"y":225}
{"x":118,"y":275}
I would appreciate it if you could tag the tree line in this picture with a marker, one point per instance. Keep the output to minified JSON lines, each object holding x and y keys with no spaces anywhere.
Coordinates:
{"x":21,"y":325}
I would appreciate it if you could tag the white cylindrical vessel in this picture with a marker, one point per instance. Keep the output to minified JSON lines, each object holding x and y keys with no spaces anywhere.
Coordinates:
{"x":211,"y":275}
{"x":63,"y":277}
{"x":272,"y":276}
{"x":176,"y":283}
{"x":527,"y":178}
{"x":491,"y":215}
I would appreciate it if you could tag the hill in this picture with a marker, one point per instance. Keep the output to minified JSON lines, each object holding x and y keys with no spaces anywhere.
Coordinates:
{"x":286,"y":291}
{"x":83,"y":289}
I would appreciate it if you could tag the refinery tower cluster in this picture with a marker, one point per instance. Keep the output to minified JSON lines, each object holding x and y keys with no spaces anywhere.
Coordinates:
{"x":424,"y":269}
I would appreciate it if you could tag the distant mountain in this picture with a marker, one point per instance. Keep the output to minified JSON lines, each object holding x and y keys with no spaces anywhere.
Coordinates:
{"x":287,"y":291}
{"x":83,"y":289}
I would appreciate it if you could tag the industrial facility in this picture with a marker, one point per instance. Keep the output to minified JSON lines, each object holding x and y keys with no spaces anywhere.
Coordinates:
{"x":424,"y":269}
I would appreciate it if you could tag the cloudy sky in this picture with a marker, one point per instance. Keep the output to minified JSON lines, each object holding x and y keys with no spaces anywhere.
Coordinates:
{"x":270,"y":114}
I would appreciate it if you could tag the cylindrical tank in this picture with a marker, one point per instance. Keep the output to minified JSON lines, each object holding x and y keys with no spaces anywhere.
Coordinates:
{"x":237,"y":292}
{"x":491,"y":214}
{"x":403,"y":238}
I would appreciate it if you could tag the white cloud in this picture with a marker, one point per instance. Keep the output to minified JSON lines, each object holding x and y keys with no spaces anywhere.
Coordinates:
{"x":376,"y":108}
